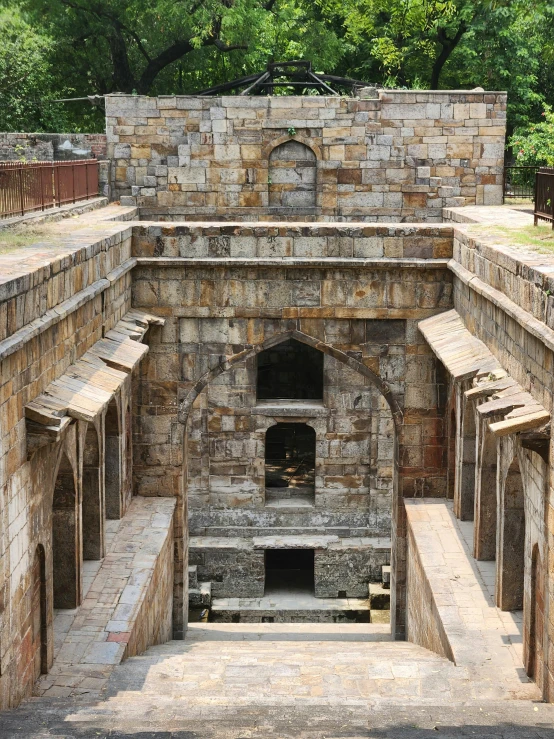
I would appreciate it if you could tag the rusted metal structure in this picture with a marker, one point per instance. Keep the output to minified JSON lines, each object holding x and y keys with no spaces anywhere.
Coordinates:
{"x":519,"y":182}
{"x":544,"y":195}
{"x":297,"y":75}
{"x":27,"y":187}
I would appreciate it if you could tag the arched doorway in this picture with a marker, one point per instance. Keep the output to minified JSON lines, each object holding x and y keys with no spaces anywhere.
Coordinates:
{"x":65,"y":539}
{"x":93,"y":503}
{"x":292,"y":176}
{"x":290,"y":450}
{"x":113,"y":462}
{"x":39,"y":622}
{"x":511,"y":541}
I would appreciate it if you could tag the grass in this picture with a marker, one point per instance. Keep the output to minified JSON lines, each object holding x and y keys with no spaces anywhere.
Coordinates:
{"x":535,"y":238}
{"x":18,"y":237}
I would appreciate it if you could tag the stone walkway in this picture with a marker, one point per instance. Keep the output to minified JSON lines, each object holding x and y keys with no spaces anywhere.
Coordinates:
{"x":92,"y":639}
{"x":484,"y":640}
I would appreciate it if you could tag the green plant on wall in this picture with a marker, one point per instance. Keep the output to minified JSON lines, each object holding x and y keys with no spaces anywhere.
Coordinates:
{"x":291,"y":131}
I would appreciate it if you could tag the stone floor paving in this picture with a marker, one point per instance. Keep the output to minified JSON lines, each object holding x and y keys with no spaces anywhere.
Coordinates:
{"x":307,"y":681}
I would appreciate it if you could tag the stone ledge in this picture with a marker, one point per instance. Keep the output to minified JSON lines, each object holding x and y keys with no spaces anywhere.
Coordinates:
{"x":351,"y":262}
{"x":19,"y":338}
{"x":306,"y":541}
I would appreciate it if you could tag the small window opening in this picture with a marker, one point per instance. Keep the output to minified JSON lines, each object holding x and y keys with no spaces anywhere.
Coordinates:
{"x":290,"y":371}
{"x":290,"y":464}
{"x":289,"y":571}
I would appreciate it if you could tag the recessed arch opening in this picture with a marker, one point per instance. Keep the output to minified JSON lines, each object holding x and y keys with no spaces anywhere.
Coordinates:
{"x":292,"y":177}
{"x":65,"y":538}
{"x":113,"y":463}
{"x":290,"y":451}
{"x":511,"y":542}
{"x":290,"y":370}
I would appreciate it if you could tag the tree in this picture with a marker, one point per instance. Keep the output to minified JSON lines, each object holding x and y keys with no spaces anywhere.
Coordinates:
{"x":25,"y":75}
{"x":130,"y":45}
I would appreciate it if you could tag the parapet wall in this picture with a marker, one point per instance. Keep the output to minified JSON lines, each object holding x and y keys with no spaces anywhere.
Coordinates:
{"x":402,"y":156}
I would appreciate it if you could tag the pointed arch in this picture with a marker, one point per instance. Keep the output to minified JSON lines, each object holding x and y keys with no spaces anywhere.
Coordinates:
{"x":510,"y":556}
{"x":113,"y":463}
{"x":66,"y":555}
{"x":245,"y":354}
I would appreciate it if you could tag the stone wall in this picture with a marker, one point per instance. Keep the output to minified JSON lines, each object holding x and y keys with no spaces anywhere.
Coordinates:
{"x":48,"y":147}
{"x":402,"y":156}
{"x":227,"y":293}
{"x":49,"y":317}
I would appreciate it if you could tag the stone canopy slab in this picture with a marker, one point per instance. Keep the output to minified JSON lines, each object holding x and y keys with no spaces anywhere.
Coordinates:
{"x":84,"y":391}
{"x":466,"y":357}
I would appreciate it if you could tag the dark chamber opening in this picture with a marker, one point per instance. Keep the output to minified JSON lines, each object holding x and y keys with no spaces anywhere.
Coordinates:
{"x":290,"y":570}
{"x":290,"y":457}
{"x":290,"y":371}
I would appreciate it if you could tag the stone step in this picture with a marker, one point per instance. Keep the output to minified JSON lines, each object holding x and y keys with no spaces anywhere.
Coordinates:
{"x":193,"y":577}
{"x":249,"y":531}
{"x":201,"y":596}
{"x":379,"y":597}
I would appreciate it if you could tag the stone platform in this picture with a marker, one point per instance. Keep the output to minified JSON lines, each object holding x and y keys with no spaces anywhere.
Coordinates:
{"x":288,"y":606}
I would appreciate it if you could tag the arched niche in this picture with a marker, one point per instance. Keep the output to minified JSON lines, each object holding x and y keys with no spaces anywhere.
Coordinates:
{"x":65,"y":538}
{"x":292,"y":179}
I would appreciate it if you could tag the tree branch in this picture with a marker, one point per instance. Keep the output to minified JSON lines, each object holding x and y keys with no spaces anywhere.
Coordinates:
{"x":448,"y":45}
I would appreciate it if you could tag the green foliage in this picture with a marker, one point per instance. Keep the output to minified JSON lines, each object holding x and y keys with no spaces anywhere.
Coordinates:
{"x":25,"y":74}
{"x":534,"y":144}
{"x":75,"y":48}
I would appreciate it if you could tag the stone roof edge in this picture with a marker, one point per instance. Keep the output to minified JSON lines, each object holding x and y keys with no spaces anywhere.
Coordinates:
{"x":526,"y":320}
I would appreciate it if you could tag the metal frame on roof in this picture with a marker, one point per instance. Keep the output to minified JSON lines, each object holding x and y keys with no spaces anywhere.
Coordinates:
{"x":297,"y":74}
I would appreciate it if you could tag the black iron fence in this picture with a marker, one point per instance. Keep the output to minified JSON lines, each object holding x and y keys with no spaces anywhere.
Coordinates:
{"x":544,"y":195}
{"x":519,"y":182}
{"x":27,"y":187}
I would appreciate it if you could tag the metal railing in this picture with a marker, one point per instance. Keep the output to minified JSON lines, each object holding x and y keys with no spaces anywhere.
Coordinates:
{"x":519,"y":182}
{"x":544,"y":195}
{"x":27,"y":187}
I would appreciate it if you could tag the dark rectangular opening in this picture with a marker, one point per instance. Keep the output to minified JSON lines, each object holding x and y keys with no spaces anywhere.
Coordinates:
{"x":289,"y":571}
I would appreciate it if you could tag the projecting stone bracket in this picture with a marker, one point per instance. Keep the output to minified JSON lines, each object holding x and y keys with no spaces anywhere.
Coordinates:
{"x":84,"y":391}
{"x":467,"y":358}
